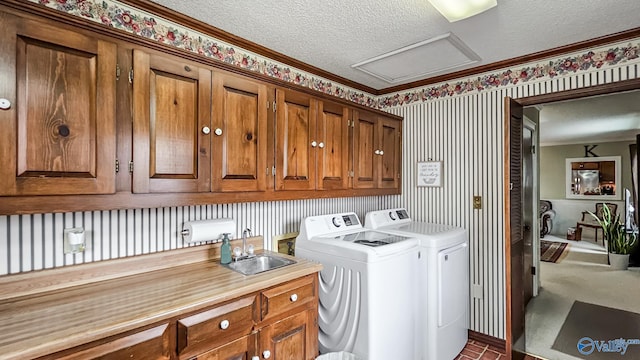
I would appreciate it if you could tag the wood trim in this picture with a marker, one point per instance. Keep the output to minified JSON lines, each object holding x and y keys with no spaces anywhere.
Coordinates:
{"x":595,"y":42}
{"x":13,"y":205}
{"x":488,"y":339}
{"x":619,"y":86}
{"x":24,"y":284}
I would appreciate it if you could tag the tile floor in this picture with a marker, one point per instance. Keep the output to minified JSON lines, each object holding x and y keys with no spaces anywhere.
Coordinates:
{"x":476,"y":350}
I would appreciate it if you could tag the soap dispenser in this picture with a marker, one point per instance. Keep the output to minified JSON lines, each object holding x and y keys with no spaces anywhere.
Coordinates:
{"x":225,"y":250}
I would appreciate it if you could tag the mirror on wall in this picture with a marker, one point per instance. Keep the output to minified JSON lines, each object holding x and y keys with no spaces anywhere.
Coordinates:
{"x":594,"y":178}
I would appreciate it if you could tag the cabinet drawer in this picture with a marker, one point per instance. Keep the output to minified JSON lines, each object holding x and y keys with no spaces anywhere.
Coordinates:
{"x":288,"y":296}
{"x":212,"y":328}
{"x":154,"y":343}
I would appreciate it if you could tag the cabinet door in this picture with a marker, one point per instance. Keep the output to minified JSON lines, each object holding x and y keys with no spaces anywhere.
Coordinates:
{"x":241,"y":349}
{"x":292,"y":338}
{"x":58,"y":136}
{"x":171,"y":118}
{"x":365,"y":150}
{"x":333,"y":146}
{"x":296,"y":141}
{"x":240,"y":134}
{"x":154,"y":343}
{"x":390,"y":132}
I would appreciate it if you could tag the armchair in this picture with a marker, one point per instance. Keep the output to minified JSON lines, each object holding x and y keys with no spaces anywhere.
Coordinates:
{"x":590,"y":222}
{"x":546,"y":216}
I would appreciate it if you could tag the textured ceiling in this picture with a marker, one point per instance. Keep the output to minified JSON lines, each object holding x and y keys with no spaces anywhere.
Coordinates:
{"x":332,"y":35}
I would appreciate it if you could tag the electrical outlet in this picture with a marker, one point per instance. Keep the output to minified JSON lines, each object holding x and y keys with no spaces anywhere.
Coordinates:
{"x":477,"y":202}
{"x":74,"y":240}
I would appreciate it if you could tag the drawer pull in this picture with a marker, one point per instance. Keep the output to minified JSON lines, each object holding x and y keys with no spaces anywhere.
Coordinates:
{"x":266,"y":354}
{"x":224,"y":324}
{"x":294,"y":297}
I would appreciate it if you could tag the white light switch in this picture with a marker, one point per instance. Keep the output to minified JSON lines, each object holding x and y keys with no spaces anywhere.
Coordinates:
{"x":477,"y":291}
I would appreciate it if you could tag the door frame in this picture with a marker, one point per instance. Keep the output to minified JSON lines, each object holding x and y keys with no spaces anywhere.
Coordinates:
{"x":620,"y":86}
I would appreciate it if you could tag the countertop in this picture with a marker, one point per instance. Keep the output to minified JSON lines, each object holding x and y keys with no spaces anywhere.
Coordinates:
{"x":42,"y":323}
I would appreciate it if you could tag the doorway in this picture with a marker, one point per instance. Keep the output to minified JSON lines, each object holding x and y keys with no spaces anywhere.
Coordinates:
{"x":515,"y":242}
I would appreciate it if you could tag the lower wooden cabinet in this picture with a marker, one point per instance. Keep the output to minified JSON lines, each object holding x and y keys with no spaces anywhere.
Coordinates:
{"x":292,"y":338}
{"x":275,"y":323}
{"x":155,"y":343}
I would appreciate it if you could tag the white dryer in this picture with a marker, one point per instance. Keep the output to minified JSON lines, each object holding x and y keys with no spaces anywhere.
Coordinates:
{"x":367,"y":287}
{"x":444,"y":307}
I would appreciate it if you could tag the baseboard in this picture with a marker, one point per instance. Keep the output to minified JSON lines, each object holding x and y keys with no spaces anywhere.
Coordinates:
{"x":489,"y":340}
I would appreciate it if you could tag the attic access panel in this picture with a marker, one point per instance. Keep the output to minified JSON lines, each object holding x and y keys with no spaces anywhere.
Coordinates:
{"x":420,"y":60}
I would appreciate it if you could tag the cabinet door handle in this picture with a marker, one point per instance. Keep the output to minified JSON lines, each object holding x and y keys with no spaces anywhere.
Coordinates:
{"x":206,"y":130}
{"x":314,"y":144}
{"x":5,"y":104}
{"x":224,"y":324}
{"x":321,"y":145}
{"x":218,"y":131}
{"x":294,"y":297}
{"x":266,"y":354}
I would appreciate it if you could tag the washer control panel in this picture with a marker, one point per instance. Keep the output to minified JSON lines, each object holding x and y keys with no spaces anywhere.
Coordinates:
{"x":376,"y":219}
{"x":346,"y":220}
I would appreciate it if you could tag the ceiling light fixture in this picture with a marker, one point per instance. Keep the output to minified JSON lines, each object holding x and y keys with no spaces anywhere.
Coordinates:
{"x":455,"y":10}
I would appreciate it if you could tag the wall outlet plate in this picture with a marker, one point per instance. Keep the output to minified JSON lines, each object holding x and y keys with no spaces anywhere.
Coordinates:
{"x":74,"y":240}
{"x":477,"y":291}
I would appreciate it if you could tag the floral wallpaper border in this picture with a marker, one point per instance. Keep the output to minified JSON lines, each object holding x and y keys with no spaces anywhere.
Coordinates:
{"x":556,"y":67}
{"x":138,"y":22}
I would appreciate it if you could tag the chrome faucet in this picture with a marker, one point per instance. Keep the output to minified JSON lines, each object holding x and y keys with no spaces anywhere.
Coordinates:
{"x":245,"y":234}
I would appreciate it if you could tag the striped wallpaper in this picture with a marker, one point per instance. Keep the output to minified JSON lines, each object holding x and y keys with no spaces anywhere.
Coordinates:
{"x":466,"y":133}
{"x":35,"y":242}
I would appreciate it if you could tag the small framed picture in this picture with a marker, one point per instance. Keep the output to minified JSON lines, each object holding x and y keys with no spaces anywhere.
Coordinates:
{"x":430,"y":173}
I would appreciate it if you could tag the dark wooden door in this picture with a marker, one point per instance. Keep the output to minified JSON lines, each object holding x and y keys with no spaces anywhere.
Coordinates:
{"x":296,"y":141}
{"x":171,"y":123}
{"x":239,"y":134}
{"x":515,"y":244}
{"x":528,"y":215}
{"x":365,"y":144}
{"x":390,"y":148}
{"x":291,"y":338}
{"x":333,"y":147}
{"x":58,"y":134}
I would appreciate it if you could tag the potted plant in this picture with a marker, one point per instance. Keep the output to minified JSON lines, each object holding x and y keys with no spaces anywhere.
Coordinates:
{"x":619,"y":241}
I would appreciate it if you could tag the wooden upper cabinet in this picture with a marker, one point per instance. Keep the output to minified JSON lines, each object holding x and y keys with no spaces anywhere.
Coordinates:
{"x":377,"y":151}
{"x":59,"y":134}
{"x":296,"y":141}
{"x":312,"y":143}
{"x":365,"y":171}
{"x":390,"y":153}
{"x":333,"y":149}
{"x":239,"y":134}
{"x":171,"y":125}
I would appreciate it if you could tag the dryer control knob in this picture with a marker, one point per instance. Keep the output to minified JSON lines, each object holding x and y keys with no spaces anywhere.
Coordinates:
{"x":337,"y":221}
{"x":392,"y":215}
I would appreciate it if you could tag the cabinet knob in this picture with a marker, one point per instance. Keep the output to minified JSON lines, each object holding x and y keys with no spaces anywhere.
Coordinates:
{"x":294,"y":297}
{"x":377,"y":152}
{"x":5,"y":104}
{"x":314,"y":144}
{"x":224,"y":324}
{"x":381,"y":152}
{"x":218,"y":131}
{"x":266,"y":354}
{"x":206,"y":130}
{"x":321,"y":145}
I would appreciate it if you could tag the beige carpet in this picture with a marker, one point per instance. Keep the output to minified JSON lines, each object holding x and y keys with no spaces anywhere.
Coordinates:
{"x":583,"y":276}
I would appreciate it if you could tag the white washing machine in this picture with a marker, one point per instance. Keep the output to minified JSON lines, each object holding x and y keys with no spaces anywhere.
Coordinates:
{"x":444,"y":306}
{"x":367,"y":287}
